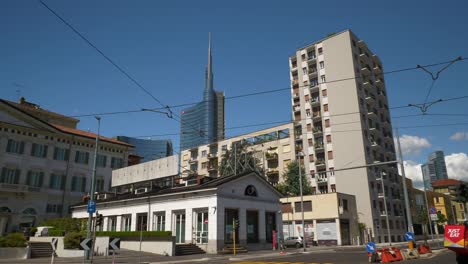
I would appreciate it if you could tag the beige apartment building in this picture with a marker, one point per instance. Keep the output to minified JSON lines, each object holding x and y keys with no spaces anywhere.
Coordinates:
{"x":273,"y":147}
{"x":342,"y":119}
{"x":329,"y":219}
{"x":46,"y":164}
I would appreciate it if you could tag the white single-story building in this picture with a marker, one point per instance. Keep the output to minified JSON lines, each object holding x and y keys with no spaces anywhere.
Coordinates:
{"x":200,"y":214}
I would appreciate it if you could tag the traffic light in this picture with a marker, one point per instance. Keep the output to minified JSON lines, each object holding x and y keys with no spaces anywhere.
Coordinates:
{"x":99,"y":219}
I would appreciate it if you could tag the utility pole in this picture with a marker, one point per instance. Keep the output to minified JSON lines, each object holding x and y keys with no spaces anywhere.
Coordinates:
{"x":93,"y":186}
{"x":405,"y":189}
{"x":427,"y":213}
{"x":299,"y":155}
{"x":385,"y":207}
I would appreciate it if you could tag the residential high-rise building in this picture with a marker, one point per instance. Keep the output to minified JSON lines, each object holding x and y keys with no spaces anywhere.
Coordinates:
{"x":203,"y":123}
{"x":340,"y":110}
{"x":148,"y":149}
{"x":434,"y":169}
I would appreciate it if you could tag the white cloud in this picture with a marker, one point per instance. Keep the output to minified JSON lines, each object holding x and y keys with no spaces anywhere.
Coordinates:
{"x":459,"y":136}
{"x":457,"y":166}
{"x":412,"y":145}
{"x":413,"y":172}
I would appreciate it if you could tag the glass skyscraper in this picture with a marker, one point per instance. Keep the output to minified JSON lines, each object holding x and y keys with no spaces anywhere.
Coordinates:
{"x":434,"y":169}
{"x":203,"y":123}
{"x":149,"y":149}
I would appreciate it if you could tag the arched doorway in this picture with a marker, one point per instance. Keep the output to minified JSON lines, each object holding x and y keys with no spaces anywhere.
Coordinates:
{"x":5,"y":214}
{"x":28,"y":218}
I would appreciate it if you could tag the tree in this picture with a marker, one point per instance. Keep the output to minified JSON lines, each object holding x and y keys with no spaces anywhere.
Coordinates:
{"x":441,"y":218}
{"x":239,"y":160}
{"x":291,"y":181}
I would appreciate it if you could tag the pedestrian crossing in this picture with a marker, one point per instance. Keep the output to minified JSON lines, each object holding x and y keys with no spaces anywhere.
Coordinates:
{"x":279,"y":262}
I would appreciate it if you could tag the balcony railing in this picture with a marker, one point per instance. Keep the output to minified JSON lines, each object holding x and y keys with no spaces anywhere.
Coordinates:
{"x":317,"y":130}
{"x":8,"y":187}
{"x":271,"y":156}
{"x":319,"y":162}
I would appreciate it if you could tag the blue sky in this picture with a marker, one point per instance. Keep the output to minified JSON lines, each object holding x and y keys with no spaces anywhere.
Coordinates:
{"x":163,"y":44}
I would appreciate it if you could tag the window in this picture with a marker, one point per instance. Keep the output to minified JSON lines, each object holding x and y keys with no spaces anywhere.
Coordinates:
{"x":223,"y":147}
{"x":322,"y":64}
{"x":322,"y":78}
{"x":320,"y":51}
{"x":354,"y":43}
{"x":101,"y":161}
{"x":333,"y":187}
{"x":204,"y":165}
{"x":328,"y":138}
{"x":159,"y":221}
{"x":57,"y":182}
{"x":54,"y":208}
{"x":35,"y":178}
{"x":345,"y":205}
{"x":252,"y":226}
{"x":116,"y":163}
{"x":304,"y":71}
{"x":78,"y":184}
{"x":313,"y":82}
{"x":39,"y":150}
{"x":330,"y":155}
{"x":15,"y":146}
{"x":308,"y":112}
{"x":81,"y":157}
{"x":309,"y":127}
{"x":142,"y":222}
{"x":10,"y":176}
{"x":203,"y":153}
{"x":112,"y":223}
{"x":126,"y":222}
{"x":325,"y":107}
{"x":324,"y":92}
{"x":100,"y":184}
{"x":327,"y":122}
{"x":61,"y":153}
{"x":307,"y":206}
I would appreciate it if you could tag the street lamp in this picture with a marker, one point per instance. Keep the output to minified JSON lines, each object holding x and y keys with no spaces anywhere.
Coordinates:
{"x":299,"y":155}
{"x":93,"y":185}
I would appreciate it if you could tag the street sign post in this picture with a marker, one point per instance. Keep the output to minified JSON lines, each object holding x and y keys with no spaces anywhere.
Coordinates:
{"x":432,"y":210}
{"x":91,"y":207}
{"x":409,"y":236}
{"x":370,"y":247}
{"x":114,"y":244}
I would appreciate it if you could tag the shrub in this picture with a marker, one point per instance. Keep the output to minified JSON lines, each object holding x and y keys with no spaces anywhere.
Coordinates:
{"x":56,"y":232}
{"x":134,"y":233}
{"x":32,"y":231}
{"x":72,"y":239}
{"x":64,"y":224}
{"x":13,"y":240}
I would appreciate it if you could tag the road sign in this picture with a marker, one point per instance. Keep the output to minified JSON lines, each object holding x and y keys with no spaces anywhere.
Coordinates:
{"x":434,"y":217}
{"x":91,"y":207}
{"x":86,"y":244}
{"x":432,"y":210}
{"x":370,"y":247}
{"x":409,"y":236}
{"x":114,"y":243}
{"x":54,"y":243}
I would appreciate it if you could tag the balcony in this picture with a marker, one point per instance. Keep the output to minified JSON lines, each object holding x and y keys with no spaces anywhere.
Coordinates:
{"x":311,"y":58}
{"x":319,"y":147}
{"x":379,"y":82}
{"x":212,"y":168}
{"x":374,"y":144}
{"x":8,"y":187}
{"x":377,"y":69}
{"x":316,"y":116}
{"x":271,"y":171}
{"x":321,"y":180}
{"x":367,"y":84}
{"x":381,"y":93}
{"x":317,"y":131}
{"x":298,"y":136}
{"x":271,"y":156}
{"x":383,"y":213}
{"x":366,"y":70}
{"x":370,"y":98}
{"x":314,"y":88}
{"x":296,"y":96}
{"x":212,"y":155}
{"x":193,"y":160}
{"x":372,"y":113}
{"x":313,"y":73}
{"x":320,"y":163}
{"x":297,"y":108}
{"x":315,"y":101}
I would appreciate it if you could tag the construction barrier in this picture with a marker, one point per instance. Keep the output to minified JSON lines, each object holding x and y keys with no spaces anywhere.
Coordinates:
{"x":391,"y":255}
{"x":424,"y":249}
{"x":410,"y":254}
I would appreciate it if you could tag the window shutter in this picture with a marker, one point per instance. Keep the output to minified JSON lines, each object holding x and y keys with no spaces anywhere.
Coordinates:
{"x":44,"y":154}
{"x":21,"y":151}
{"x":62,"y":182}
{"x":41,"y":178}
{"x":17,"y":175}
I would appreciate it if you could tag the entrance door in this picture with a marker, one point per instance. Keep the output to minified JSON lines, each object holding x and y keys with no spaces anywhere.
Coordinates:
{"x":180,"y":227}
{"x":201,"y":233}
{"x":230,"y":215}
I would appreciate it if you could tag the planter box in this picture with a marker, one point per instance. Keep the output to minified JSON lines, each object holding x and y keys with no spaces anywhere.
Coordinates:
{"x":13,"y":253}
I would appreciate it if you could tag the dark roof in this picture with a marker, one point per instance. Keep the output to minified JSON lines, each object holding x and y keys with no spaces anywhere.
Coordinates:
{"x":204,"y":186}
{"x":446,"y":182}
{"x":66,"y":130}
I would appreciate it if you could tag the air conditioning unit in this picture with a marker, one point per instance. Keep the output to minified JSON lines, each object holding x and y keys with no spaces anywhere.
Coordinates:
{"x":141,"y":190}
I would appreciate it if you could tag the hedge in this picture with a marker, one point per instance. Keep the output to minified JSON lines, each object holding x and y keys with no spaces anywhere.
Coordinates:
{"x":134,"y":233}
{"x":56,"y":232}
{"x":13,"y":240}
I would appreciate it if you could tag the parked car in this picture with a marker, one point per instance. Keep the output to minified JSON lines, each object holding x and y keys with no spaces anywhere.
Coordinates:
{"x":293,"y":242}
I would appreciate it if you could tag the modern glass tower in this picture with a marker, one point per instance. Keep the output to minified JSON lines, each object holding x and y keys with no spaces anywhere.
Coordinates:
{"x":434,"y":169}
{"x":203,"y":123}
{"x":149,"y":149}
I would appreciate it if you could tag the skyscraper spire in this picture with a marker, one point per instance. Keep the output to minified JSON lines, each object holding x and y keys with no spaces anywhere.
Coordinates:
{"x":209,"y":68}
